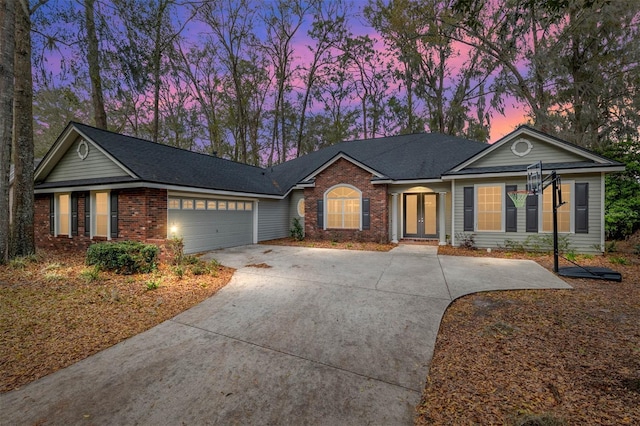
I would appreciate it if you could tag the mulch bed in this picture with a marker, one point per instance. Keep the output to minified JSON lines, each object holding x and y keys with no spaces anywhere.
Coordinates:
{"x":53,"y":313}
{"x":540,"y":357}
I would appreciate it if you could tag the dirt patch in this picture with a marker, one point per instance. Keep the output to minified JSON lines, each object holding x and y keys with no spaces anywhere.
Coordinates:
{"x":341,"y":245}
{"x":258,"y":265}
{"x":55,"y":311}
{"x":564,"y":355}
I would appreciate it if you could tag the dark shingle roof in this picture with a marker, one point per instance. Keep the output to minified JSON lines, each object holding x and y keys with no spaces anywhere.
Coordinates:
{"x":157,"y":163}
{"x":404,"y":157}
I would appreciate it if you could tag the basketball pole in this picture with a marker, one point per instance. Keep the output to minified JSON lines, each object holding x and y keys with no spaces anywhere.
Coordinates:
{"x":554,"y":188}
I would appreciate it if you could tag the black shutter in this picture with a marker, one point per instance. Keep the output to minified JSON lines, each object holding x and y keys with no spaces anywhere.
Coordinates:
{"x":74,"y":214}
{"x":87,"y":215}
{"x":320,"y":214}
{"x":511,"y":218}
{"x":52,"y":214}
{"x":114,"y":214}
{"x":582,"y":208}
{"x":468,"y":208}
{"x":366,"y":218}
{"x":532,"y":213}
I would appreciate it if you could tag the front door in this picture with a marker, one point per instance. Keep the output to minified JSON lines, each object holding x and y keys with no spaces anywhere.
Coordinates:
{"x":420,"y":215}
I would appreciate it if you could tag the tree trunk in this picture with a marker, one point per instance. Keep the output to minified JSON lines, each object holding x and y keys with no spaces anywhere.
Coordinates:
{"x":97,"y":99}
{"x":7,"y":46}
{"x":22,"y":241}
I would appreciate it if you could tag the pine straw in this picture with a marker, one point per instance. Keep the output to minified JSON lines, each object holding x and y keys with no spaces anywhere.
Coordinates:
{"x":52,"y":315}
{"x":340,"y":245}
{"x":569,"y":355}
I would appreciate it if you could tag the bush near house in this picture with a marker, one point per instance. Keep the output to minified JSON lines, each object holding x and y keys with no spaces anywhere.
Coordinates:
{"x":126,"y":257}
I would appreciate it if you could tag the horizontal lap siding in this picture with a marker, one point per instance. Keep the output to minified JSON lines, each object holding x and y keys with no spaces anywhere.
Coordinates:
{"x":72,"y":167}
{"x":583,"y":243}
{"x":541,"y":151}
{"x":273,"y":219}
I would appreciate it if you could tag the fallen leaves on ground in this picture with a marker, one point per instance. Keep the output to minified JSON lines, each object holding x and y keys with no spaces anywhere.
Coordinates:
{"x":341,"y":245}
{"x":570,"y":355}
{"x":55,"y":311}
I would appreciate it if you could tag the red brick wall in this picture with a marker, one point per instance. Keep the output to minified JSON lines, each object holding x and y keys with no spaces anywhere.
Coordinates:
{"x":345,"y":172}
{"x":142,"y":216}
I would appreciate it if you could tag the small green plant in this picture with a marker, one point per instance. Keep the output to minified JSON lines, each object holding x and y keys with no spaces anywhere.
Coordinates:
{"x":618,"y":260}
{"x":179,"y":271}
{"x":91,"y":274}
{"x":199,"y":269}
{"x":467,"y":241}
{"x":18,"y":263}
{"x":53,"y":276}
{"x":152,"y":284}
{"x":175,"y":248}
{"x":297,"y":232}
{"x":611,"y":246}
{"x":54,"y":266}
{"x":571,"y":255}
{"x":636,"y":249}
{"x":21,"y":262}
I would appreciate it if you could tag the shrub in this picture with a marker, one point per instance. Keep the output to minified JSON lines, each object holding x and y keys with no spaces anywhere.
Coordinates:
{"x":175,"y":248}
{"x":126,"y":257}
{"x":467,"y":241}
{"x":152,"y":284}
{"x":296,"y":232}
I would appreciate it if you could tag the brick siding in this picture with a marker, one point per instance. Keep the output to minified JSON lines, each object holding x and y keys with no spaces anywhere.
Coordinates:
{"x":142,"y":216}
{"x":345,"y":172}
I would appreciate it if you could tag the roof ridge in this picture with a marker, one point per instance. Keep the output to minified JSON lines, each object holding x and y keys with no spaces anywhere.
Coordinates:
{"x":163,"y":145}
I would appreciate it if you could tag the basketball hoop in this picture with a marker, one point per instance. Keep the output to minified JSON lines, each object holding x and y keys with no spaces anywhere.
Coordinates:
{"x":519,"y":198}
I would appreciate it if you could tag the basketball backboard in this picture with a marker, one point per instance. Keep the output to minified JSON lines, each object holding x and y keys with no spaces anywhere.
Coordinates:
{"x":534,"y":178}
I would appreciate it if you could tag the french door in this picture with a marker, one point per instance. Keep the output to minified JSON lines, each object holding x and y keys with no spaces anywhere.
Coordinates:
{"x":420,"y":219}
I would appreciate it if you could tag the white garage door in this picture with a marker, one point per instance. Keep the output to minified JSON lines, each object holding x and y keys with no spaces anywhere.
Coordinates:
{"x":210,"y":224}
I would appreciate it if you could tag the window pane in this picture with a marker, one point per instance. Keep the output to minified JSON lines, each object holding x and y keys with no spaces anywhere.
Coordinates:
{"x":174,"y":203}
{"x":101,"y":213}
{"x":343,"y":208}
{"x":564,"y":212}
{"x":200,"y":205}
{"x":489,"y":208}
{"x":248,"y":206}
{"x":187,"y":204}
{"x":211,"y":205}
{"x":231,"y":205}
{"x":222,"y":205}
{"x":240,"y":205}
{"x":63,"y":214}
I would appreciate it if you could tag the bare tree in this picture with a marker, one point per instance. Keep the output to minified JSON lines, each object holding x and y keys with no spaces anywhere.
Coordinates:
{"x":93,"y":59}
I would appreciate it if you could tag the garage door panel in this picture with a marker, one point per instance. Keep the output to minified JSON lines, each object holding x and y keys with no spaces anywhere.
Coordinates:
{"x":204,"y":230}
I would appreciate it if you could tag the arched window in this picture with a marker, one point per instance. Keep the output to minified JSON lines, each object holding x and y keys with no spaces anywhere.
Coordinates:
{"x":343,"y":208}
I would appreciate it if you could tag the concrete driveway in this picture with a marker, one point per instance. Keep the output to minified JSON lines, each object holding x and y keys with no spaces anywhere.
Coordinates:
{"x":317,"y":336}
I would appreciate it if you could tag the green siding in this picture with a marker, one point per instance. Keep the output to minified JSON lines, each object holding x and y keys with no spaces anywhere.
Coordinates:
{"x":583,"y":243}
{"x":273,"y":219}
{"x":541,"y":151}
{"x":95,"y":165}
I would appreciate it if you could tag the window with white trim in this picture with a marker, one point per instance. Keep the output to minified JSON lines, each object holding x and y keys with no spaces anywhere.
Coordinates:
{"x":489,"y":213}
{"x":63,"y":215}
{"x":100,"y":214}
{"x":564,"y":211}
{"x":343,"y":208}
